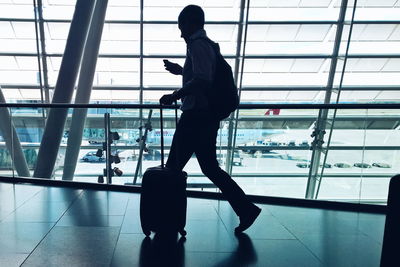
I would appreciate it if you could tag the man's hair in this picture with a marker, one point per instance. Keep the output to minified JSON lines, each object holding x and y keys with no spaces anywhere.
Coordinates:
{"x":193,"y":15}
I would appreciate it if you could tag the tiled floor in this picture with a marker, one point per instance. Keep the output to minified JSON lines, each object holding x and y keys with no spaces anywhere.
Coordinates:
{"x":44,"y":226}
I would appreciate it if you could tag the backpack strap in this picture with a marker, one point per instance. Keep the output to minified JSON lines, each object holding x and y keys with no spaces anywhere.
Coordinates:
{"x":215,"y":45}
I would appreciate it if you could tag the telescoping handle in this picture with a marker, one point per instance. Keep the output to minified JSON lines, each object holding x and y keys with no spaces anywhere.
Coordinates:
{"x":162,"y":137}
{"x":162,"y":131}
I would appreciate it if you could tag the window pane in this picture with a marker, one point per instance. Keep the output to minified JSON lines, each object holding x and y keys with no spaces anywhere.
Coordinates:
{"x":372,"y":72}
{"x":290,"y":39}
{"x":17,"y":37}
{"x":165,"y":39}
{"x":286,"y":72}
{"x":214,"y":10}
{"x":276,"y":10}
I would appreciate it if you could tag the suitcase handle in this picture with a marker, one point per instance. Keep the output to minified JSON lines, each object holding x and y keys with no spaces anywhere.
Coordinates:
{"x":162,"y":131}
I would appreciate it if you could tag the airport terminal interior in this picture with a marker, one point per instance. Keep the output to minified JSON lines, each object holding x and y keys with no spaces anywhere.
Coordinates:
{"x":318,"y":122}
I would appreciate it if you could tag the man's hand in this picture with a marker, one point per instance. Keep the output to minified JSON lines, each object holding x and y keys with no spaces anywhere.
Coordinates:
{"x":167,"y":99}
{"x":173,"y":68}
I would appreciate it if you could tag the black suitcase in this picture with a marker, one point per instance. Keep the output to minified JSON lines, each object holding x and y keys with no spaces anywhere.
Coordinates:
{"x":163,"y":199}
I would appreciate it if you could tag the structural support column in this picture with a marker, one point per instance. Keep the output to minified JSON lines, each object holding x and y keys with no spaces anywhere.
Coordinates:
{"x":320,"y":126}
{"x":12,"y":141}
{"x":43,"y":52}
{"x":234,"y":116}
{"x":84,"y":89}
{"x":64,"y":88}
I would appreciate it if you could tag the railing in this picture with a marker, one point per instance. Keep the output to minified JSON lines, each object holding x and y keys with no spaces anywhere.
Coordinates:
{"x":272,"y":154}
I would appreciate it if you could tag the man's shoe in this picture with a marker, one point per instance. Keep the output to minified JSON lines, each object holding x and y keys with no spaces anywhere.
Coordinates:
{"x":248,"y":220}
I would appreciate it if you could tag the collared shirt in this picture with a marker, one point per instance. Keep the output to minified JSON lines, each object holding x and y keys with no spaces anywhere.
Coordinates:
{"x":198,"y":72}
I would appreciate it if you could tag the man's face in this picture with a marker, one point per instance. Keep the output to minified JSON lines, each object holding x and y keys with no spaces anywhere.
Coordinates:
{"x":186,"y":31}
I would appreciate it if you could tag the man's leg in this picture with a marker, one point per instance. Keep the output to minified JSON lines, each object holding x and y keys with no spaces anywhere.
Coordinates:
{"x":181,"y":147}
{"x":206,"y":155}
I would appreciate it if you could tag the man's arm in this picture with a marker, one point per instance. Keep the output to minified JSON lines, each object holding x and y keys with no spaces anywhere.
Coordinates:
{"x":203,"y":64}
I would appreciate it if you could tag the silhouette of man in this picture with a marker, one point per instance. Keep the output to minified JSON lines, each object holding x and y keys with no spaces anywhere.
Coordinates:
{"x":197,"y":128}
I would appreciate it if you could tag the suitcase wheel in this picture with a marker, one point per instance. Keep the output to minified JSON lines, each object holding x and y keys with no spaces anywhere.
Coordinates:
{"x":183,"y":232}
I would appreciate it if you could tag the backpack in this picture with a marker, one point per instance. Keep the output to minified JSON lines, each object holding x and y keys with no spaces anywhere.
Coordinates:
{"x":223,"y":96}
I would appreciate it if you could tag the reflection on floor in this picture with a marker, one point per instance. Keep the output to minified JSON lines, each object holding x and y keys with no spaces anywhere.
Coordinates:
{"x":45,"y":226}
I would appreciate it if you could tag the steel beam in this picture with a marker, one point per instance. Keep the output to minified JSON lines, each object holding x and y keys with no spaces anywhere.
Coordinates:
{"x":12,"y":141}
{"x":320,"y":126}
{"x":64,"y":88}
{"x":84,"y":89}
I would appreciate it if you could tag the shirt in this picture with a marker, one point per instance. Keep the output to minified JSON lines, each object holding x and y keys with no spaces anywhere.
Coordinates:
{"x":198,"y":72}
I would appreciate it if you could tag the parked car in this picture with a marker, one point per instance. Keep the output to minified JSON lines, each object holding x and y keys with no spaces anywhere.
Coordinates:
{"x":381,"y":165}
{"x":95,"y":141}
{"x":342,"y":165}
{"x":292,"y":143}
{"x":362,"y":165}
{"x":326,"y":165}
{"x":303,"y":165}
{"x":91,"y":157}
{"x":304,"y":143}
{"x":237,"y":159}
{"x":152,"y":154}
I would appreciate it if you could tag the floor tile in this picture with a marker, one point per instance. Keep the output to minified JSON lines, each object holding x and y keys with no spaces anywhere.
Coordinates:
{"x":17,"y":237}
{"x":57,"y":194}
{"x":208,"y":236}
{"x":283,"y":253}
{"x":344,"y":249}
{"x":300,"y":221}
{"x":38,"y":212}
{"x":372,"y":225}
{"x":90,"y":220}
{"x":12,"y":259}
{"x":75,"y":246}
{"x":98,"y":206}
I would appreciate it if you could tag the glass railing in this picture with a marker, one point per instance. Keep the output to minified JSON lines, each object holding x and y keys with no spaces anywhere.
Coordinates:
{"x":347,"y":153}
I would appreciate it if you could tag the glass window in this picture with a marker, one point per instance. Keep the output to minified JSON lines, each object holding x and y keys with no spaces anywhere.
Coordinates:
{"x":290,"y":39}
{"x":286,"y":72}
{"x":226,"y":10}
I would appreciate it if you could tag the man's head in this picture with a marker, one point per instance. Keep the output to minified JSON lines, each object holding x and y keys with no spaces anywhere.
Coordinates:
{"x":190,"y":20}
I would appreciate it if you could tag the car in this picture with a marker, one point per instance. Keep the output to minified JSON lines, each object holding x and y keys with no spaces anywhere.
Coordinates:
{"x":95,"y":142}
{"x":381,"y":165}
{"x":152,"y":154}
{"x":326,"y":165}
{"x":342,"y":165}
{"x":304,"y":143}
{"x":292,"y":143}
{"x":362,"y":165}
{"x":91,"y":157}
{"x":303,"y":165}
{"x":237,"y":160}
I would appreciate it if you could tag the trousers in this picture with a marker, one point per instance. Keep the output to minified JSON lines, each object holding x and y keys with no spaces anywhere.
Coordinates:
{"x":196,"y":132}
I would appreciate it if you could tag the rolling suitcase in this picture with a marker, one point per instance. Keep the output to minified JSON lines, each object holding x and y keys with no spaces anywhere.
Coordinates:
{"x":163,"y":199}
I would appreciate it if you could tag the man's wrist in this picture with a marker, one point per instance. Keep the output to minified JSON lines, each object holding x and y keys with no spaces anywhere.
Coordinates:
{"x":176,"y":95}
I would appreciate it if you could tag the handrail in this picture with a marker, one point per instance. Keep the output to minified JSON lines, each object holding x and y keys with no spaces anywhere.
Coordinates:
{"x":241,"y":106}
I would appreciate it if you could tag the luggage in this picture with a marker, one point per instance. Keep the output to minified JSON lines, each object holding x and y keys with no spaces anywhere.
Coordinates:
{"x":163,"y":199}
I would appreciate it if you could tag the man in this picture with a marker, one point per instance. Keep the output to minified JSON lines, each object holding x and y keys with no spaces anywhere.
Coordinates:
{"x":197,"y":129}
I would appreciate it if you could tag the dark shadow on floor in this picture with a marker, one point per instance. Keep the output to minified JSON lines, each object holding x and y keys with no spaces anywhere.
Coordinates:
{"x":244,"y":255}
{"x":168,"y":250}
{"x":162,"y":250}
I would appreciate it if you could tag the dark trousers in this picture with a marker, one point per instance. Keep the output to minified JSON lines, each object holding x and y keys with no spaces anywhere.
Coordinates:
{"x":196,"y":132}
